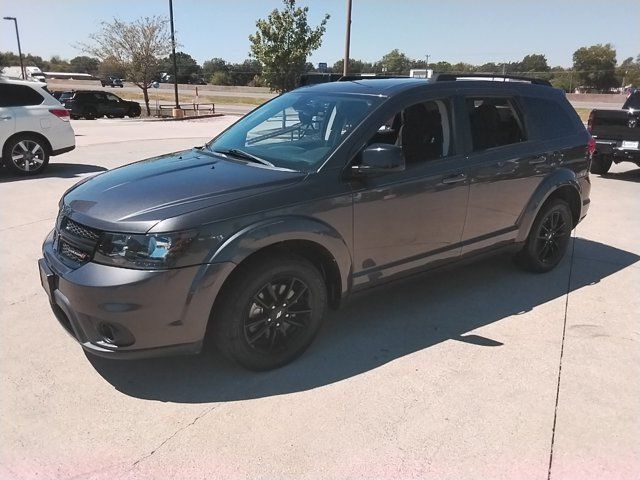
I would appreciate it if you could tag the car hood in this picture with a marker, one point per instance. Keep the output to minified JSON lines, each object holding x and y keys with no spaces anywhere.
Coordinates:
{"x":135,"y":197}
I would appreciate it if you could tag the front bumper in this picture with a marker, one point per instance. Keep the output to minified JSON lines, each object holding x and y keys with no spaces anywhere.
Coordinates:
{"x":124,"y":313}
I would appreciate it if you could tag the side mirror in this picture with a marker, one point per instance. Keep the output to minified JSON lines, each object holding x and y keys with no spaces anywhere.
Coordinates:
{"x":380,"y":158}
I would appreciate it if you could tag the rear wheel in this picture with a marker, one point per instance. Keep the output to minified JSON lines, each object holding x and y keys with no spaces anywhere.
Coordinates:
{"x":26,"y":155}
{"x":600,"y":164}
{"x":134,"y":112}
{"x":90,"y":113}
{"x":270,"y":312}
{"x":548,"y":239}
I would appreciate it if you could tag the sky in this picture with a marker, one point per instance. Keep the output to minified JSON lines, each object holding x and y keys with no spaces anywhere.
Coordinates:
{"x":451,"y":30}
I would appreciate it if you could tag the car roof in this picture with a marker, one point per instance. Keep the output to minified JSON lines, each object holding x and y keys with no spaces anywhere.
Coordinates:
{"x":386,"y":87}
{"x":18,"y":81}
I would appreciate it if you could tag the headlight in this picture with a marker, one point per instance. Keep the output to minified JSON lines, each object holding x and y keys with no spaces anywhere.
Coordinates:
{"x":147,"y":252}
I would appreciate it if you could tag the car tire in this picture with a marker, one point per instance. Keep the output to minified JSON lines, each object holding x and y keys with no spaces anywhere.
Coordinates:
{"x":134,"y":112}
{"x":600,"y":164}
{"x":37,"y":155}
{"x":90,"y":113}
{"x":548,"y":238}
{"x":270,"y":312}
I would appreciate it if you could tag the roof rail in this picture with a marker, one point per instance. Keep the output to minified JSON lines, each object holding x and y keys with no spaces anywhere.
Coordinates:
{"x":452,"y":77}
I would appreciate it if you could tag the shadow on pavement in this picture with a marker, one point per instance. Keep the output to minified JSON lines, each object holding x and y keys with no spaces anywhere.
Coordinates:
{"x":54,"y":169}
{"x":629,"y":175}
{"x":374,"y":329}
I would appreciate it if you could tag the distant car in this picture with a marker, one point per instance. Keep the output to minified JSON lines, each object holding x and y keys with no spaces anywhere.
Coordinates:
{"x":617,"y":134}
{"x":197,"y":81}
{"x":92,"y":104}
{"x":112,"y":82}
{"x":33,"y":126}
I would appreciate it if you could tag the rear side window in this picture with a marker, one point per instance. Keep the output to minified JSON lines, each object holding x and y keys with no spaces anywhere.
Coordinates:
{"x":18,"y":96}
{"x":549,"y":118}
{"x":494,"y":122}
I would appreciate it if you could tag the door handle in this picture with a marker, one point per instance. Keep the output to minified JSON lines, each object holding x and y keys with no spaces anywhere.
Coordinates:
{"x":5,"y":118}
{"x":538,"y":160}
{"x":459,"y":177}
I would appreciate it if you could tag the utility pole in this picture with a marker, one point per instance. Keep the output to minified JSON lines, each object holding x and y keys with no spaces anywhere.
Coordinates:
{"x":15,"y":21}
{"x":427,"y":65}
{"x":173,"y":51}
{"x":347,"y":43}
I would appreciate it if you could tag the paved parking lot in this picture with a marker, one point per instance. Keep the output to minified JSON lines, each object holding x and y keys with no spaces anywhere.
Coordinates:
{"x":476,"y":373}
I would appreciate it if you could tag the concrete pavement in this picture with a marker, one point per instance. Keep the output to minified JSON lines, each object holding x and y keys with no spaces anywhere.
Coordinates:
{"x":482,"y":372}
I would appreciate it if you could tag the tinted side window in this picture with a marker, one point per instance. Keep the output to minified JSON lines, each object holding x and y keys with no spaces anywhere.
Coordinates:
{"x":423,"y":130}
{"x":18,"y":96}
{"x":494,"y":122}
{"x":550,"y":119}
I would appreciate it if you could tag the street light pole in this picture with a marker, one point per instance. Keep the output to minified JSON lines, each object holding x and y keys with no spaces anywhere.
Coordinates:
{"x":347,"y":43}
{"x":173,"y":50}
{"x":15,"y":21}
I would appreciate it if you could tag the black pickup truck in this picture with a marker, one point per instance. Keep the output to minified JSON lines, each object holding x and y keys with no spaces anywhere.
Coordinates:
{"x":617,"y":135}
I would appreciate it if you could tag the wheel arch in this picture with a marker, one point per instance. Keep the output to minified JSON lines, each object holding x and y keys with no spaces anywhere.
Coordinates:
{"x":562,"y":184}
{"x":309,"y":238}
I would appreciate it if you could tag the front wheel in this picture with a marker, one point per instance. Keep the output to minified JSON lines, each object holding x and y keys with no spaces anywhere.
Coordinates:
{"x":26,"y":155}
{"x":548,"y":239}
{"x":270,"y":312}
{"x":600,"y":164}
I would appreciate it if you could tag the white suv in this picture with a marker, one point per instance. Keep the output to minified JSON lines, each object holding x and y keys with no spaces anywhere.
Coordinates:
{"x":33,"y":126}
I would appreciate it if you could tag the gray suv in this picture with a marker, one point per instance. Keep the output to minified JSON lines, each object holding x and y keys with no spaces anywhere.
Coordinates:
{"x":321,"y":192}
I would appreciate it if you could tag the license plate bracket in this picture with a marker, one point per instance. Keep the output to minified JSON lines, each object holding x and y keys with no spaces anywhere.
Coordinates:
{"x":48,"y":279}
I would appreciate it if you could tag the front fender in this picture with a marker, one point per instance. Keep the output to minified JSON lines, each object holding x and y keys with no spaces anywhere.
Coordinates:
{"x":281,"y":229}
{"x":559,"y":178}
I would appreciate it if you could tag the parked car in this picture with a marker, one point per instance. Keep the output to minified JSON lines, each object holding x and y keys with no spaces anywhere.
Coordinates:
{"x":92,"y":104}
{"x":320,"y":193}
{"x":111,"y":81}
{"x":33,"y":126}
{"x":197,"y":81}
{"x":617,"y":135}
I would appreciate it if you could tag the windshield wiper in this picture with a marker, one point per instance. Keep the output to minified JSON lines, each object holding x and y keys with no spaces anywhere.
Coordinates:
{"x":235,"y":152}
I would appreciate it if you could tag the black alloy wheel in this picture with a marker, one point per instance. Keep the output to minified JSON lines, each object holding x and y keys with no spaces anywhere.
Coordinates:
{"x":548,"y":238}
{"x":270,"y":311}
{"x":278,"y":313}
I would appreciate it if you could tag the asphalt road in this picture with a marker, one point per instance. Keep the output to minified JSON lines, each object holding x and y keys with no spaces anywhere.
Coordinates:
{"x":482,"y":372}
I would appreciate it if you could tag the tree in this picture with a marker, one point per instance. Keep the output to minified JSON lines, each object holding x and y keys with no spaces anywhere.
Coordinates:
{"x":396,"y":63}
{"x":136,"y":47}
{"x":595,"y":66}
{"x":282,"y":44}
{"x":534,"y":63}
{"x":628,"y":72}
{"x":187,"y":67}
{"x":110,"y":67}
{"x":355,"y":66}
{"x":84,"y":64}
{"x":245,"y":72}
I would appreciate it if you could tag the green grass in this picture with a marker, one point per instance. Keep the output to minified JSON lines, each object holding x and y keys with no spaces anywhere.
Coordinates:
{"x":583,"y":113}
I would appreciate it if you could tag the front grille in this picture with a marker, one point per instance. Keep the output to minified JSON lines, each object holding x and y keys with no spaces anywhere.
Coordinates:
{"x":73,"y":253}
{"x":76,"y":242}
{"x":80,"y":231}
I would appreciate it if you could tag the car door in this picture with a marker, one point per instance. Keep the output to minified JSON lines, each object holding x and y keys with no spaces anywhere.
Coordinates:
{"x":505,"y":167}
{"x":116,"y":106}
{"x":408,"y":219}
{"x":7,"y":117}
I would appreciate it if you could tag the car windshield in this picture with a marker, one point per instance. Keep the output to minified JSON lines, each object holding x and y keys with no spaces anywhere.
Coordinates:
{"x":297,"y":130}
{"x":65,"y":96}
